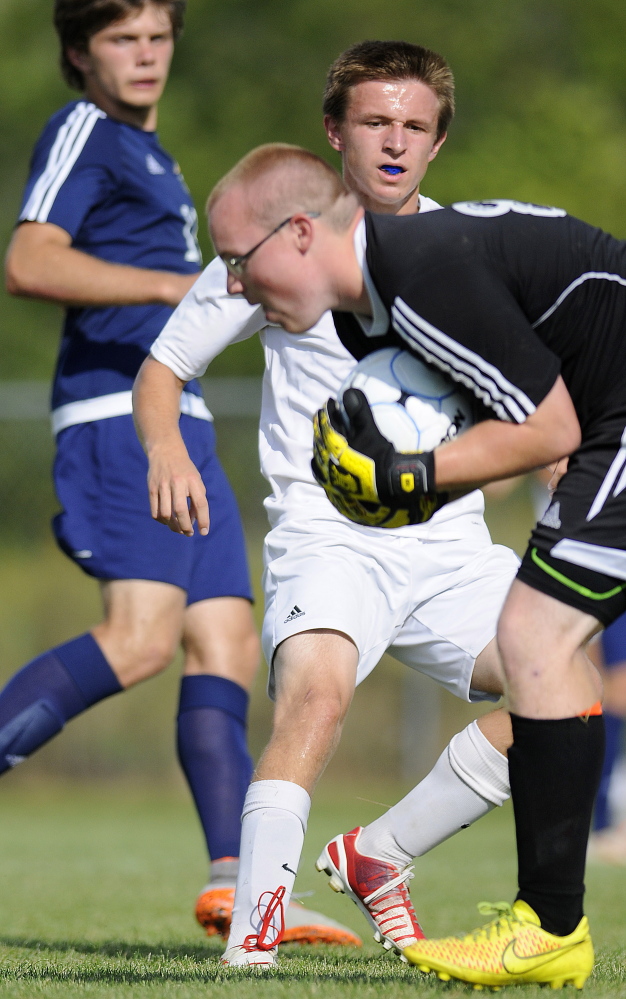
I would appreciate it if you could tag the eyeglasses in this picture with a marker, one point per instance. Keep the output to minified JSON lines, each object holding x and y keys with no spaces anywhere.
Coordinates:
{"x":236,"y":265}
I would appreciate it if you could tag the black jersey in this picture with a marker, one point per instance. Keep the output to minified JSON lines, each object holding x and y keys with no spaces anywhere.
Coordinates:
{"x":502,"y":296}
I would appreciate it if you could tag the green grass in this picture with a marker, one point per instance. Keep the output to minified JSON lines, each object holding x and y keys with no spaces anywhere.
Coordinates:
{"x":98,"y":887}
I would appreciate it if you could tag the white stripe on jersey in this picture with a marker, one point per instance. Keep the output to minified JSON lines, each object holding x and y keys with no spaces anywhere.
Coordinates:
{"x":609,"y":481}
{"x":588,"y":276}
{"x":463,"y":365}
{"x":66,"y":149}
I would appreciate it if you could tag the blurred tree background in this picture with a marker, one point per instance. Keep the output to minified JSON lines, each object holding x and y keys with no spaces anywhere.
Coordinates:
{"x":541,"y":88}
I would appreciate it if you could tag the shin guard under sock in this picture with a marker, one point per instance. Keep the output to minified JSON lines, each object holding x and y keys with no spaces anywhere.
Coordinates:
{"x":468,"y":780}
{"x":213,"y":753}
{"x":554,"y":767}
{"x":275,"y":816}
{"x":38,"y":701}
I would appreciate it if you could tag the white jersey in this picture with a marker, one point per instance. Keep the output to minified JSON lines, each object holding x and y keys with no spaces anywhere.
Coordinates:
{"x":301,"y":371}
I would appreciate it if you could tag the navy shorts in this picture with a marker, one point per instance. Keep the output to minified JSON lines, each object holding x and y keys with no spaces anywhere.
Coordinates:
{"x":614,"y":643}
{"x":105,"y":524}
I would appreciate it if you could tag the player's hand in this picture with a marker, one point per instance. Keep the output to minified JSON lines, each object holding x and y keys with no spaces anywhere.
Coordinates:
{"x":177,"y":493}
{"x":362,"y":473}
{"x":558,"y":471}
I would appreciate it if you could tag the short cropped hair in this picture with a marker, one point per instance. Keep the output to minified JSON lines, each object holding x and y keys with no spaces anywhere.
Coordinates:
{"x":291,"y":179}
{"x":77,"y":20}
{"x":389,"y":61}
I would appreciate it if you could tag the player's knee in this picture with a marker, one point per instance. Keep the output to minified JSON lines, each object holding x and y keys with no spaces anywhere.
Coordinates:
{"x":156,"y":655}
{"x":235,"y":655}
{"x":313,"y":708}
{"x":139,"y":657}
{"x":247,"y":658}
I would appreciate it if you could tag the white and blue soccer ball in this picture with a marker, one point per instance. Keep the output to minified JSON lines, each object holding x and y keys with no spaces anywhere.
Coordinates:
{"x":414,"y":406}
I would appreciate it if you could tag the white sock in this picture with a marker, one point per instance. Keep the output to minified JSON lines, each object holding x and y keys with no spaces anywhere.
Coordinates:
{"x":469,"y":779}
{"x":274,"y":819}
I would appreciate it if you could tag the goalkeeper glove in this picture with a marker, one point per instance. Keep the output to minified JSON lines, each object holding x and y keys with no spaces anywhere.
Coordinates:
{"x":362,"y":473}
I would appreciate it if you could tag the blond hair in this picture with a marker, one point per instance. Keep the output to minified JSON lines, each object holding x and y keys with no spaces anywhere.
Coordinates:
{"x":286,"y":180}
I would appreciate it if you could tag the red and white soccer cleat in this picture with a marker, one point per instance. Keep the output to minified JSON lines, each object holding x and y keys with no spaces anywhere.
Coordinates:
{"x":378,"y":888}
{"x":248,"y":957}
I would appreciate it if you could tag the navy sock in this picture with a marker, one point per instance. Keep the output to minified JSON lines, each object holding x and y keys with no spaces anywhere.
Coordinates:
{"x":213,"y":753}
{"x":613,"y":731}
{"x":42,"y":696}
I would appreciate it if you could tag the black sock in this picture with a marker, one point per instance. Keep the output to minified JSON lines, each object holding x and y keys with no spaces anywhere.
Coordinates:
{"x":554,"y":768}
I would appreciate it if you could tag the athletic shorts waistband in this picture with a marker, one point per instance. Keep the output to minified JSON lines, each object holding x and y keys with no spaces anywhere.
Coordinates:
{"x":104,"y":407}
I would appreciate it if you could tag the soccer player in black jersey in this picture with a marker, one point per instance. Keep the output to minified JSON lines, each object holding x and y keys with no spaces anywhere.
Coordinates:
{"x":526,"y":307}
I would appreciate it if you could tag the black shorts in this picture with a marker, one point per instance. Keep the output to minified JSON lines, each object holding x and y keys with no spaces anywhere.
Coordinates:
{"x":577,"y":551}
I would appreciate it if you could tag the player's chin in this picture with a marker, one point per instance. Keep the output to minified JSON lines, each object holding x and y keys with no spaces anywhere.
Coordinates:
{"x":291,"y":324}
{"x":141,"y":97}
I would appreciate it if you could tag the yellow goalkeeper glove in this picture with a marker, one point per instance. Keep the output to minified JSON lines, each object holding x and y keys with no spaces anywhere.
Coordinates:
{"x":363,"y":475}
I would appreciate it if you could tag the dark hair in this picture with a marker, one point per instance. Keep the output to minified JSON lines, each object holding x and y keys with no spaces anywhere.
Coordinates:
{"x":389,"y":61}
{"x":77,"y":20}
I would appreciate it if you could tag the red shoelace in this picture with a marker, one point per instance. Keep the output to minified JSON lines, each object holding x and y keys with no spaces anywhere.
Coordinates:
{"x":261,"y":940}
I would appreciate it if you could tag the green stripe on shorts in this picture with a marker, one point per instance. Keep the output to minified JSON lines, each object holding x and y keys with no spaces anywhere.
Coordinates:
{"x":583,"y":590}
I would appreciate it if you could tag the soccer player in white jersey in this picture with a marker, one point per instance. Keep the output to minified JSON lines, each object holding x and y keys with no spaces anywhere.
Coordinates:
{"x":107,"y":229}
{"x":338,"y":595}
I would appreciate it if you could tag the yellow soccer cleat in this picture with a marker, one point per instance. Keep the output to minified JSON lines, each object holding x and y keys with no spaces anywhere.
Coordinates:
{"x":510,"y":950}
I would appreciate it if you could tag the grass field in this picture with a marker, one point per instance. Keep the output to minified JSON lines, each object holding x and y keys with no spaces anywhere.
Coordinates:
{"x":98,"y":886}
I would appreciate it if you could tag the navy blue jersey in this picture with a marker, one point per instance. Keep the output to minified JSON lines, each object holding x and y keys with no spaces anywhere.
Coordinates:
{"x":122,"y":199}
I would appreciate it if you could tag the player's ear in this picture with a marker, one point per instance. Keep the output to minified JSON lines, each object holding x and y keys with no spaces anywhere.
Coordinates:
{"x":437,"y":146}
{"x":302,"y":226}
{"x":78,"y":58}
{"x":333,"y":131}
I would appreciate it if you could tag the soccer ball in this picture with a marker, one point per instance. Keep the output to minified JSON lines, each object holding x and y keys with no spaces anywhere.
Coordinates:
{"x":414,"y":406}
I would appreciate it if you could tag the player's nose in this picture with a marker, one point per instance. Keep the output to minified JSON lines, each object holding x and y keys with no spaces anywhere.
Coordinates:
{"x":234,"y":284}
{"x":395,"y":138}
{"x":145,"y":52}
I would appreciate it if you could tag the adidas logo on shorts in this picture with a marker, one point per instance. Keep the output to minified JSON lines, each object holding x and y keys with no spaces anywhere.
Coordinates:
{"x":294,"y":614}
{"x":552,"y":516}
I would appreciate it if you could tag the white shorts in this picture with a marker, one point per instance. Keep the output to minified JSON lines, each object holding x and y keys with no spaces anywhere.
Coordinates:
{"x":432,"y":604}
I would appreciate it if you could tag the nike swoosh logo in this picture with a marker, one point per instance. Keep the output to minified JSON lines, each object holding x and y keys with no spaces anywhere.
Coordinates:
{"x":516,"y":965}
{"x":285,"y":868}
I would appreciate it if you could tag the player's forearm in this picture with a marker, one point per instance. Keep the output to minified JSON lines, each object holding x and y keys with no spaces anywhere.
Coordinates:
{"x":495,"y":450}
{"x":175,"y":488}
{"x":66,"y":276}
{"x":156,"y":407}
{"x":487,"y":453}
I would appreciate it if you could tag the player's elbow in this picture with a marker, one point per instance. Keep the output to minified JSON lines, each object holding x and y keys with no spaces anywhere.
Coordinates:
{"x":13,"y":277}
{"x":20,"y":278}
{"x":565,"y":439}
{"x":574,"y":439}
{"x":556,"y":422}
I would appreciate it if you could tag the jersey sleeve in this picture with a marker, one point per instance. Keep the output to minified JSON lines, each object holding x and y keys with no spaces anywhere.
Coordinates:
{"x":74,"y":168}
{"x":460,"y":316}
{"x":207,"y":320}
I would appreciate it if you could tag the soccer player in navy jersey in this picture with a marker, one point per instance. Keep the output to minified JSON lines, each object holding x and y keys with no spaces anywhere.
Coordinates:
{"x":107,"y":229}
